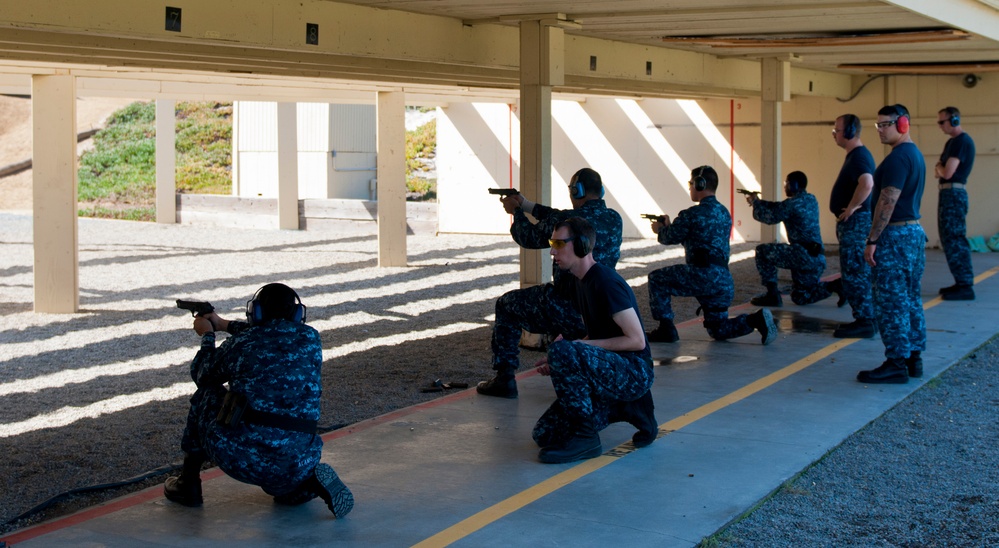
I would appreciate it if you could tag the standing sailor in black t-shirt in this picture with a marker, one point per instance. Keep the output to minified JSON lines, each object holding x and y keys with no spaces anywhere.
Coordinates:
{"x":896,"y":251}
{"x":952,"y":170}
{"x":603,"y":376}
{"x":850,"y":202}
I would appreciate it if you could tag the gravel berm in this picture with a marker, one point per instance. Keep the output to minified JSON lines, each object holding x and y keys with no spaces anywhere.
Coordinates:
{"x":99,"y":397}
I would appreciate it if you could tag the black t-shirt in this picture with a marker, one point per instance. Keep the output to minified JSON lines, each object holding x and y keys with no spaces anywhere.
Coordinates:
{"x":858,"y":162}
{"x":962,"y":148}
{"x":904,"y":169}
{"x":600,"y":294}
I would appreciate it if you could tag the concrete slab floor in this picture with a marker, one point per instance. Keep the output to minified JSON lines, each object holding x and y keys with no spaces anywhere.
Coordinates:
{"x":737,"y":420}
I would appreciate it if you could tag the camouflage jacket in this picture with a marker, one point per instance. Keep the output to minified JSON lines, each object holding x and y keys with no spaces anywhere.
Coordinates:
{"x":606,"y":222}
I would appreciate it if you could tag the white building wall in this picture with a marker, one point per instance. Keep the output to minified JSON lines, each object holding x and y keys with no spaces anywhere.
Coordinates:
{"x":313,"y":150}
{"x":352,"y":153}
{"x":645,"y":149}
{"x":336,"y":150}
{"x":474,"y":143}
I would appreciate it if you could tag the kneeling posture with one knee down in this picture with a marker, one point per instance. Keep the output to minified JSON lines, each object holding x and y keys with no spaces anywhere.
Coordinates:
{"x":605,"y":376}
{"x":803,"y":256}
{"x":262,"y":430}
{"x":704,"y":232}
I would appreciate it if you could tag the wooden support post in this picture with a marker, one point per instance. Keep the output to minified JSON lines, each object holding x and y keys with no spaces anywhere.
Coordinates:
{"x":391,"y":178}
{"x":775,"y":88}
{"x":287,"y":145}
{"x":542,"y":52}
{"x":53,"y":156}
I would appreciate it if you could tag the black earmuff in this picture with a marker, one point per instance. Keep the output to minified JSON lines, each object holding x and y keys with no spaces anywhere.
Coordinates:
{"x":700,"y":183}
{"x":255,"y":309}
{"x":578,"y":191}
{"x":583,"y":246}
{"x":955,"y":120}
{"x":850,"y":125}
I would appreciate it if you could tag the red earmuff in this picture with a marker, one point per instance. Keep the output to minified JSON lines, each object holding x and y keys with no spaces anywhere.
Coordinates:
{"x":902,"y":123}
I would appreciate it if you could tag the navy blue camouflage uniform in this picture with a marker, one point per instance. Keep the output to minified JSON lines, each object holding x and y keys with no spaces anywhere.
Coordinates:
{"x":852,"y":233}
{"x":900,"y":255}
{"x":803,"y":256}
{"x":704,"y":230}
{"x":277,"y":366}
{"x":952,"y":209}
{"x":548,"y":308}
{"x":590,"y":380}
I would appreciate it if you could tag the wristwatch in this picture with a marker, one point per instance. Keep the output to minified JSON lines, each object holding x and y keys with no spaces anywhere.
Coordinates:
{"x":872,"y":242}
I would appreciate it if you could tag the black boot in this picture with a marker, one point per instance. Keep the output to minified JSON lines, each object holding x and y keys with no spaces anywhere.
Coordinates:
{"x":503,"y":385}
{"x":892,"y":371}
{"x":665,"y":333}
{"x":914,"y":364}
{"x":642,"y":415}
{"x":332,"y":490}
{"x":186,"y":489}
{"x":770,"y":298}
{"x":836,"y":286}
{"x":960,"y":292}
{"x":859,"y":329}
{"x":763,"y":321}
{"x":584,"y":444}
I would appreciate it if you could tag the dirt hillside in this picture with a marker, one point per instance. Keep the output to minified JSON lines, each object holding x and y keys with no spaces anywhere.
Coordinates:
{"x":15,"y":140}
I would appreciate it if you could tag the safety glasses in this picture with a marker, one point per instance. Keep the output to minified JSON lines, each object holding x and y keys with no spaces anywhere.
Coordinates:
{"x":559,"y":243}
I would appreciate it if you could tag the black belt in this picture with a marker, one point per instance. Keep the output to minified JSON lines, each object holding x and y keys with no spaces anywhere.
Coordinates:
{"x":701,"y":258}
{"x":236,"y":409}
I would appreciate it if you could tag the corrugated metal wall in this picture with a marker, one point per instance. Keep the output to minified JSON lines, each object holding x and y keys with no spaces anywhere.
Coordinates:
{"x":336,"y":150}
{"x":353,"y":130}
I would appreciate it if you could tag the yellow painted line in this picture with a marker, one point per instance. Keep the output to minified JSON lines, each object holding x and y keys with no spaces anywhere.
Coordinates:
{"x":516,"y":502}
{"x":503,"y":508}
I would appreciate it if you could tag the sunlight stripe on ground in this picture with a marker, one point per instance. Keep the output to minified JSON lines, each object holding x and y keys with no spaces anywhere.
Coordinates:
{"x":644,"y":279}
{"x":428,"y":305}
{"x":68,"y":415}
{"x":78,"y":376}
{"x":367,"y":344}
{"x":84,"y":337}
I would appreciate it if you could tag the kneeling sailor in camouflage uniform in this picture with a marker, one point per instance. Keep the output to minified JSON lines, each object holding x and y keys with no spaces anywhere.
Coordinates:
{"x":704,"y":232}
{"x":606,"y":375}
{"x":547,"y":308}
{"x":803,"y":256}
{"x":262,"y":430}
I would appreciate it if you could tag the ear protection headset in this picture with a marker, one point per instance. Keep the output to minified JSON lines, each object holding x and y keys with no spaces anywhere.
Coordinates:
{"x":902,"y":122}
{"x":955,"y":119}
{"x":578,"y":191}
{"x":792,"y":187}
{"x":583,"y":246}
{"x":700,"y":183}
{"x":255,"y":309}
{"x":850,"y":126}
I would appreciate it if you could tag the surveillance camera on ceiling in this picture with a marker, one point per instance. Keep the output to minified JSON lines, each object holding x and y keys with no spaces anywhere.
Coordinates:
{"x":970,"y":80}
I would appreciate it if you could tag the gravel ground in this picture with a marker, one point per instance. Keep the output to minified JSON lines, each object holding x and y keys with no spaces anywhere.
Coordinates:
{"x":98,"y":397}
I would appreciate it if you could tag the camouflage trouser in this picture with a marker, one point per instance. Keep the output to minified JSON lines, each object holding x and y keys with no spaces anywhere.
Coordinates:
{"x":898,"y":306}
{"x":713,"y":288}
{"x":951,"y":213}
{"x":244,"y":461}
{"x":587,"y":381}
{"x":854,"y":270}
{"x":805,"y":270}
{"x":538,"y":310}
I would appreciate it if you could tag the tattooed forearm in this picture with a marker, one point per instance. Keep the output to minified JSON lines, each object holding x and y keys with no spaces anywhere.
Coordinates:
{"x":882,"y":212}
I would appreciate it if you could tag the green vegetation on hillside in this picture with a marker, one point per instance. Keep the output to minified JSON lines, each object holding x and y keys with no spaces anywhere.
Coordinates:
{"x":421,"y":145}
{"x":117,"y":179}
